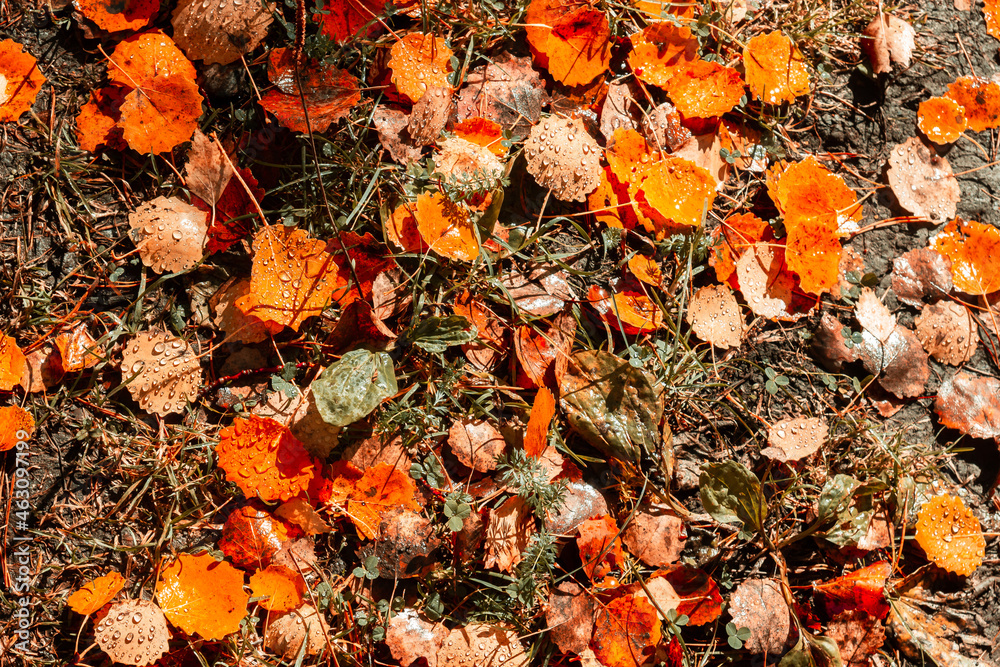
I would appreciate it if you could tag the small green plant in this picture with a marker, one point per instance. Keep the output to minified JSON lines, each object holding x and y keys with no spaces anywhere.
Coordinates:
{"x":457,"y":508}
{"x":774,"y":381}
{"x":369,"y":569}
{"x":535,"y":569}
{"x":527,"y":475}
{"x":736,"y":636}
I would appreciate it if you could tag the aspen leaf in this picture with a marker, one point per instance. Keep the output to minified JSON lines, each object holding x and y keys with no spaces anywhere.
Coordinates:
{"x":202,"y":596}
{"x":973,"y":248}
{"x":950,"y":535}
{"x":419,"y":62}
{"x":264,"y":459}
{"x":600,"y":547}
{"x":941,"y":119}
{"x":775,"y":69}
{"x":126,"y":623}
{"x":329,"y":93}
{"x":970,"y":404}
{"x":352,"y":387}
{"x":979,"y":98}
{"x":758,"y":604}
{"x":20,"y":80}
{"x":625,"y":632}
{"x":221,"y":31}
{"x":922,"y":181}
{"x":96,"y":593}
{"x":570,"y":40}
{"x":16,"y":425}
{"x":281,"y":589}
{"x":251,"y":537}
{"x":660,"y":50}
{"x":115,"y":16}
{"x":12,"y":363}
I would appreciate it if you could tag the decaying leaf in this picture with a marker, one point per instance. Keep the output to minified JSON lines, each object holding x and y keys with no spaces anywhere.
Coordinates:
{"x":164,"y":372}
{"x":508,"y":531}
{"x":286,"y":634}
{"x":614,"y":406}
{"x":78,"y":351}
{"x":96,"y":593}
{"x":540,"y":291}
{"x":507,"y":90}
{"x":564,"y":158}
{"x":207,"y":170}
{"x":888,"y":39}
{"x":766,"y":284}
{"x":688,"y":590}
{"x":950,"y":535}
{"x":970,"y":404}
{"x":171,"y":235}
{"x":570,"y":617}
{"x":329,"y":93}
{"x":655,"y":535}
{"x":410,"y":637}
{"x":663,"y":128}
{"x":221,"y":31}
{"x":948,"y":332}
{"x":715,"y":317}
{"x":394,"y":137}
{"x":202,"y":596}
{"x":478,"y":645}
{"x":922,"y":273}
{"x":922,"y":181}
{"x":600,"y":547}
{"x":888,"y":349}
{"x":405,"y":546}
{"x":133,"y":632}
{"x":795,"y":439}
{"x":299,"y":512}
{"x":429,"y":115}
{"x":758,"y":604}
{"x":476,"y":443}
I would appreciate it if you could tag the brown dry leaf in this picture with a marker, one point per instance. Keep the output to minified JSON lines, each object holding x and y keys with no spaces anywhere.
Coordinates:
{"x":582,"y":501}
{"x":429,"y":116}
{"x":620,"y":109}
{"x":476,"y":443}
{"x":828,"y":344}
{"x":42,"y":369}
{"x":570,"y":617}
{"x":478,"y":645}
{"x":888,"y":350}
{"x":508,"y":532}
{"x":171,"y":235}
{"x":715,"y":317}
{"x":950,"y":535}
{"x":221,"y":31}
{"x":564,"y":158}
{"x":78,"y":350}
{"x":390,"y":298}
{"x":765,"y":285}
{"x":299,"y":512}
{"x":922,"y":181}
{"x":133,"y":632}
{"x":948,"y":332}
{"x":795,"y":439}
{"x":165,"y":372}
{"x":410,"y":637}
{"x":208,"y":170}
{"x":858,"y":635}
{"x":655,"y":535}
{"x":377,"y":449}
{"x":237,"y":326}
{"x":663,"y":128}
{"x":405,"y":546}
{"x":286,"y":634}
{"x":888,"y":39}
{"x":507,"y":91}
{"x":759,"y":605}
{"x":469,"y":165}
{"x":970,"y":404}
{"x":394,"y":137}
{"x":541,"y":291}
{"x":920,"y":274}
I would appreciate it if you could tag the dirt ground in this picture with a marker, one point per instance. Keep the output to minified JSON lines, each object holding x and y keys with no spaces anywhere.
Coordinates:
{"x":100,"y":479}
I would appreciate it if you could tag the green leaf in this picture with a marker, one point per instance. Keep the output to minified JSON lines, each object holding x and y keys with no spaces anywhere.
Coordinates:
{"x":836,"y":495}
{"x":612,"y":404}
{"x":732,"y":493}
{"x":455,"y":523}
{"x":437,"y":334}
{"x":351,"y":388}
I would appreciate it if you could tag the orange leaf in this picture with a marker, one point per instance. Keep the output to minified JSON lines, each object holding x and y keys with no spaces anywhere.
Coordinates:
{"x":981,"y":100}
{"x":97,"y":122}
{"x":737,"y":232}
{"x":203,"y":596}
{"x":600,"y":547}
{"x":775,"y":69}
{"x":16,"y":425}
{"x":446,"y":227}
{"x":95,"y":594}
{"x":973,"y":248}
{"x":292,"y":279}
{"x":347,"y":20}
{"x":660,"y":50}
{"x":991,"y":12}
{"x":646,"y":269}
{"x":862,"y":589}
{"x":698,"y":595}
{"x":139,"y":60}
{"x":941,"y":119}
{"x":378,"y":491}
{"x":419,"y":62}
{"x":20,"y":80}
{"x":264,"y":459}
{"x":625,"y":632}
{"x":536,"y":437}
{"x":704,"y":89}
{"x":606,"y":204}
{"x":569,"y":39}
{"x":78,"y":349}
{"x":368,"y":258}
{"x":118,"y":15}
{"x":12,"y":363}
{"x":676,"y":192}
{"x":281,"y":588}
{"x":631,"y":311}
{"x":329,"y":93}
{"x":482,"y":132}
{"x":251,"y":537}
{"x":809,"y":188}
{"x":401,"y":229}
{"x":950,"y":535}
{"x":161,"y":115}
{"x":813,"y":251}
